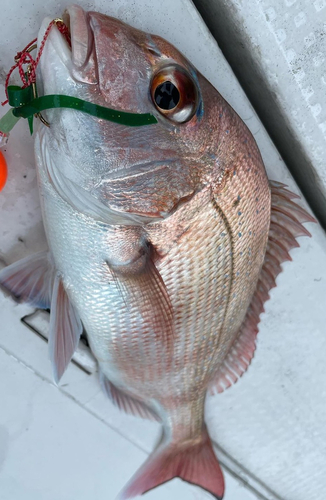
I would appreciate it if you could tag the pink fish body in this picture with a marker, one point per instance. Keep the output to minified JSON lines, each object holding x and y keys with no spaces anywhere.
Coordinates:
{"x":164,"y":239}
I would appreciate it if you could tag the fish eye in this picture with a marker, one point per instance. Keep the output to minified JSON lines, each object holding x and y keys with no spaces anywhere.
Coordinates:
{"x":166,"y":96}
{"x":174,"y":94}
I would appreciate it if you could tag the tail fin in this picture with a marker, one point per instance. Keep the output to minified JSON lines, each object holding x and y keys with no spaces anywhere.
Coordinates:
{"x":194,"y":463}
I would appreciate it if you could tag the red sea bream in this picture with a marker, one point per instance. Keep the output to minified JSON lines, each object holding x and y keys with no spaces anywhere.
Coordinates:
{"x":164,"y":239}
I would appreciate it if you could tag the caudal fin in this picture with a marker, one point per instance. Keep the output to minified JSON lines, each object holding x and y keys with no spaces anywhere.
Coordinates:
{"x":195,"y":463}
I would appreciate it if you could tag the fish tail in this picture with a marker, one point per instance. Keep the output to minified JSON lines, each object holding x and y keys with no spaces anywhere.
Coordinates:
{"x":195,"y":463}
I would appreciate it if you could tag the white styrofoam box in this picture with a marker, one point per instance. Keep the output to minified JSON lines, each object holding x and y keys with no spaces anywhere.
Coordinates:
{"x":271,"y":422}
{"x":278,"y":51}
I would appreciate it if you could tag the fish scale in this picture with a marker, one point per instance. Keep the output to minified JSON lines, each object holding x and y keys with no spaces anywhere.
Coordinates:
{"x":199,"y":280}
{"x":164,"y":239}
{"x":187,"y":284}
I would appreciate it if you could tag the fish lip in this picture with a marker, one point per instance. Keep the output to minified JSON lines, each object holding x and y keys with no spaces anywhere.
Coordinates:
{"x":57,"y":40}
{"x":79,"y":57}
{"x":84,"y":63}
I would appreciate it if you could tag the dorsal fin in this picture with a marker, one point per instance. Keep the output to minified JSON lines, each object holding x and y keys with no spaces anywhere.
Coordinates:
{"x":286,"y":225}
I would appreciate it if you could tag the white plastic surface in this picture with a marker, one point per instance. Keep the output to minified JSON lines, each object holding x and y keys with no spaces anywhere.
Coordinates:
{"x":277,"y":48}
{"x":70,"y":442}
{"x":293,"y":59}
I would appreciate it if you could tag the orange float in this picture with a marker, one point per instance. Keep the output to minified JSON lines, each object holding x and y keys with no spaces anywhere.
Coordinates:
{"x":3,"y":171}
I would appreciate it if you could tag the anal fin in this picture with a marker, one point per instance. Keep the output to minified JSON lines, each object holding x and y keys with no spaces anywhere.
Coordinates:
{"x":286,"y":225}
{"x":126,"y":402}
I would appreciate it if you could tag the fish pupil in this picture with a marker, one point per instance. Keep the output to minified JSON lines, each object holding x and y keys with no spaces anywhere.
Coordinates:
{"x":167,"y":95}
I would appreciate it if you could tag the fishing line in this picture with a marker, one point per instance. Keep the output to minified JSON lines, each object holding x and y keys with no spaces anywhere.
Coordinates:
{"x":25,"y":102}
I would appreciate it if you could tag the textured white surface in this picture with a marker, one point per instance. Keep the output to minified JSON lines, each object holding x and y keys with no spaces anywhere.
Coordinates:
{"x":294,"y":63}
{"x":78,"y":445}
{"x":277,"y":48}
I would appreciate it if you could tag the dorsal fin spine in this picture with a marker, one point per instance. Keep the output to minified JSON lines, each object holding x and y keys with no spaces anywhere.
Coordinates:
{"x":285,"y":227}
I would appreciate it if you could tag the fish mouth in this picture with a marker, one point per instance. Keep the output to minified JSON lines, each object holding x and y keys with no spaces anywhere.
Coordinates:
{"x":84,"y":66}
{"x":79,"y":56}
{"x":121,"y":198}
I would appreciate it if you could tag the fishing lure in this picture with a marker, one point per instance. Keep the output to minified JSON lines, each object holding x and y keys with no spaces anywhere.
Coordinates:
{"x":3,"y":171}
{"x":25,"y":103}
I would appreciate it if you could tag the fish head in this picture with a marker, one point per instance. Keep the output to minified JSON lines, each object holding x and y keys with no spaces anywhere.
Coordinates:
{"x":143,"y":173}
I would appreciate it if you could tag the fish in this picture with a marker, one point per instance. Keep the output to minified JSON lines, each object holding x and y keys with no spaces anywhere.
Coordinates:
{"x":164,"y":240}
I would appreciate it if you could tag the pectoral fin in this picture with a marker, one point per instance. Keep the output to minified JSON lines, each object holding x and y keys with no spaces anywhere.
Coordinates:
{"x":65,"y":330}
{"x":143,"y":289}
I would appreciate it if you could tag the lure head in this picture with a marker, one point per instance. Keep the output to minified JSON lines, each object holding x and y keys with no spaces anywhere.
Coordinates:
{"x":143,"y":171}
